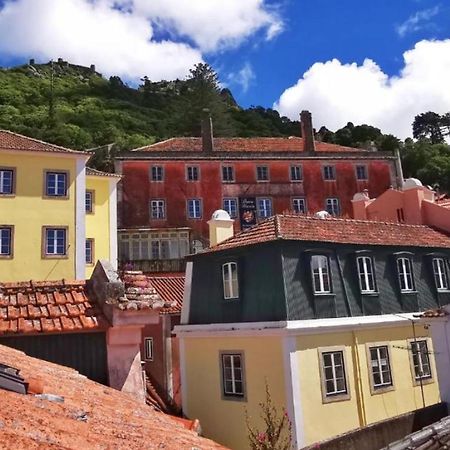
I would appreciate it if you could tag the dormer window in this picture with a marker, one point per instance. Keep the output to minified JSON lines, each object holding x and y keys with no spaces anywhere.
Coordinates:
{"x":440,"y":274}
{"x":405,"y":274}
{"x":320,"y":274}
{"x":366,"y":274}
{"x":230,"y":280}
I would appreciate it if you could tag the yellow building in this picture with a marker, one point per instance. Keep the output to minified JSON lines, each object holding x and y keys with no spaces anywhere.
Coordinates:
{"x":323,"y":310}
{"x":56,"y":216}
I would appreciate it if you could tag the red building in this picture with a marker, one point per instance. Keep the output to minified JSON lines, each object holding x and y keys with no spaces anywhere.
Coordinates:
{"x":170,"y":189}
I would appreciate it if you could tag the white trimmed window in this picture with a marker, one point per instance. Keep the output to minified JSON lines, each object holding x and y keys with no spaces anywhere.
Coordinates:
{"x":55,"y":241}
{"x":365,"y":274}
{"x":420,"y":359}
{"x":440,"y":274}
{"x":380,"y":367}
{"x":329,"y":173}
{"x":6,"y":181}
{"x":299,"y":205}
{"x":157,"y":209}
{"x":333,"y":373}
{"x":405,"y":275}
{"x":194,"y":208}
{"x":192,"y":173}
{"x":264,"y":206}
{"x":230,"y":206}
{"x":89,"y":251}
{"x":230,"y":280}
{"x":228,"y":174}
{"x":5,"y":241}
{"x":148,"y":348}
{"x":89,"y":202}
{"x":320,"y":274}
{"x":361,"y":173}
{"x":233,"y":375}
{"x":56,"y":184}
{"x":157,"y":173}
{"x":296,"y":173}
{"x":262,"y":173}
{"x":332,"y":206}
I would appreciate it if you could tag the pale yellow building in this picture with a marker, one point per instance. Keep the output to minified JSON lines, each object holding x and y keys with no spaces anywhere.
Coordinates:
{"x":56,"y":216}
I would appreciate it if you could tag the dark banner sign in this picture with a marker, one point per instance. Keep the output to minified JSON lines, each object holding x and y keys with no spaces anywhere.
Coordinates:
{"x":247,"y":212}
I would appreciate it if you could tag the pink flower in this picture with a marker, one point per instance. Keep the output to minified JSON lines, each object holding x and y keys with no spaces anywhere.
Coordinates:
{"x":261,"y":437}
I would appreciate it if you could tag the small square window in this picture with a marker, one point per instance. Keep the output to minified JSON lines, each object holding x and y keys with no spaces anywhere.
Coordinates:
{"x":157,"y":209}
{"x":157,"y":173}
{"x":299,"y":205}
{"x":332,"y":206}
{"x":89,"y":251}
{"x":194,"y":208}
{"x":329,"y":173}
{"x":55,"y":184}
{"x":230,"y":206}
{"x":148,"y":348}
{"x":228,"y":174}
{"x":6,"y":181}
{"x":262,"y":173}
{"x":6,"y":241}
{"x":296,"y":173}
{"x":55,"y":242}
{"x":361,"y":173}
{"x":89,"y":202}
{"x":192,"y":173}
{"x":233,"y":380}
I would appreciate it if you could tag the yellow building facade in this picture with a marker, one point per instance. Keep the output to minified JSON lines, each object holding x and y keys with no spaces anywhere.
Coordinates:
{"x":43,"y":219}
{"x":291,"y":357}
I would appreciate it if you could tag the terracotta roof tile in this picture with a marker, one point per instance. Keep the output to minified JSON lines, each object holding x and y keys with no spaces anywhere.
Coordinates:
{"x":111,"y":419}
{"x":432,"y":313}
{"x":36,"y":307}
{"x":257,"y":144}
{"x":333,"y":230}
{"x":15,"y":141}
{"x":98,"y":173}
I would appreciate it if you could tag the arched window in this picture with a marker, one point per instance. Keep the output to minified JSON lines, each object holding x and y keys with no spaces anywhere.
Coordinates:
{"x":365,"y":274}
{"x":230,"y":280}
{"x":320,"y":274}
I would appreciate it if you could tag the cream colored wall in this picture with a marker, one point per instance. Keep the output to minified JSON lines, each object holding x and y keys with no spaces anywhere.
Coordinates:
{"x":325,"y":420}
{"x":28,"y":211}
{"x":224,"y":420}
{"x":97,"y":224}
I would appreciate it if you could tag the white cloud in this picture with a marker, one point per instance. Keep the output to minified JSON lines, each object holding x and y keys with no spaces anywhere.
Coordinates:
{"x":337,"y":93}
{"x":213,"y":24}
{"x":119,"y":35}
{"x":243,"y":77}
{"x":417,"y":21}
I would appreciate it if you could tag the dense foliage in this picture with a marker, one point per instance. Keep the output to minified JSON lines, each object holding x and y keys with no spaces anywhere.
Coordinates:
{"x":76,"y":107}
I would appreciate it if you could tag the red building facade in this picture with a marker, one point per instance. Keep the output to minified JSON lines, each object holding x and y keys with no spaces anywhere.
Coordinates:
{"x":173,"y":187}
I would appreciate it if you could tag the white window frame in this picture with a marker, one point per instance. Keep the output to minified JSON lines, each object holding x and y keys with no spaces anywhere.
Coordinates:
{"x":423,"y":360}
{"x":296,"y":202}
{"x":323,"y":276}
{"x":236,"y":377}
{"x":386,"y":377}
{"x":157,"y":209}
{"x":329,"y":172}
{"x":229,"y":170}
{"x":157,"y":173}
{"x":192,"y":173}
{"x":230,"y":205}
{"x":364,"y":274}
{"x":264,"y":207}
{"x":357,"y":170}
{"x":3,"y":171}
{"x":59,"y":177}
{"x":332,"y":206}
{"x":8,"y":237}
{"x":264,"y":170}
{"x":51,"y":241}
{"x":296,"y":173}
{"x":440,"y":273}
{"x":336,"y":394}
{"x":230,"y":280}
{"x":196,"y":208}
{"x":405,"y":277}
{"x":148,"y":348}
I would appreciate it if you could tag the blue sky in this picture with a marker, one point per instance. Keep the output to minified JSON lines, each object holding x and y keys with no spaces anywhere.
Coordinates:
{"x":378,"y":62}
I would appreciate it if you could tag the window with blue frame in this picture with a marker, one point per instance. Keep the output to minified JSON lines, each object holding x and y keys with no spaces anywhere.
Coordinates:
{"x":5,"y":241}
{"x":56,"y":184}
{"x":6,"y":181}
{"x":55,"y":242}
{"x":194,"y":208}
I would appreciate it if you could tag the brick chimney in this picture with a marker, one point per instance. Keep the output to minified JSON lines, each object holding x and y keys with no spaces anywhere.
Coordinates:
{"x":207,"y":132}
{"x":309,"y":145}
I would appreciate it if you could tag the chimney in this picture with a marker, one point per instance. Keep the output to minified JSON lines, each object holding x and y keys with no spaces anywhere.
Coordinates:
{"x":220,"y":227}
{"x":207,"y":132}
{"x":309,"y":145}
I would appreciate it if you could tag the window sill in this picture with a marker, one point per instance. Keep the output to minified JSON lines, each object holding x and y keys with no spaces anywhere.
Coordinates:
{"x":231,"y":300}
{"x":375,"y":390}
{"x":408,"y":292}
{"x":443,"y":291}
{"x":55,"y":197}
{"x":428,"y":380}
{"x":6,"y":256}
{"x":335,"y":398}
{"x":55,"y":257}
{"x":8,"y":195}
{"x":324,"y":294}
{"x":234,"y":398}
{"x":370,"y":294}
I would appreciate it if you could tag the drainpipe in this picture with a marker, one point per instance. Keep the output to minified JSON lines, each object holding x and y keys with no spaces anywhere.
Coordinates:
{"x":360,"y":403}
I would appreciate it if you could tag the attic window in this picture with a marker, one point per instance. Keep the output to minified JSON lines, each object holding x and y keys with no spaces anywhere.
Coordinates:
{"x":320,"y":274}
{"x":230,"y":280}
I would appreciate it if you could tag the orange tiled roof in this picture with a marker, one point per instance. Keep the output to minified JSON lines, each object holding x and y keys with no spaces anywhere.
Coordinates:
{"x":92,"y":416}
{"x":333,"y":230}
{"x":433,"y":313}
{"x":15,"y":141}
{"x":99,"y":173}
{"x":260,"y":144}
{"x":42,"y":307}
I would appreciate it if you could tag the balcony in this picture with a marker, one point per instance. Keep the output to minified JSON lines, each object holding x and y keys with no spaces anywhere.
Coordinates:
{"x":155,"y":265}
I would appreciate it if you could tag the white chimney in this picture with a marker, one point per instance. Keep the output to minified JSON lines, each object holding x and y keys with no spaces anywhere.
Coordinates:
{"x":220,"y":227}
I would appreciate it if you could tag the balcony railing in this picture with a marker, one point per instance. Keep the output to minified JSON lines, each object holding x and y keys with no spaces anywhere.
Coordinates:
{"x":155,"y":265}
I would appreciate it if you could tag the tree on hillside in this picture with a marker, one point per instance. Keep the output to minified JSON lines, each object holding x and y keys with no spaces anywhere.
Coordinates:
{"x":432,"y":126}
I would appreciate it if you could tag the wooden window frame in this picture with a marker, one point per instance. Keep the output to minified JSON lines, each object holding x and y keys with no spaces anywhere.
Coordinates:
{"x":338,"y":397}
{"x":232,"y":396}
{"x":417,"y":381}
{"x":44,"y":254}
{"x":380,"y":389}
{"x":11,"y":247}
{"x":227,"y":267}
{"x":164,"y":217}
{"x":56,"y":197}
{"x":13,"y":184}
